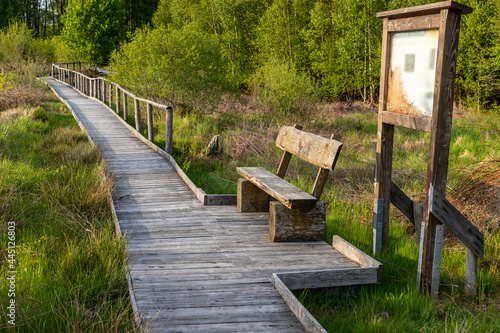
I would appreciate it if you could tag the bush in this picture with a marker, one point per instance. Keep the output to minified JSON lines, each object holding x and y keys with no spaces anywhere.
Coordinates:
{"x":279,"y":86}
{"x":182,"y":67}
{"x":13,"y":42}
{"x":41,"y":50}
{"x":38,"y":113}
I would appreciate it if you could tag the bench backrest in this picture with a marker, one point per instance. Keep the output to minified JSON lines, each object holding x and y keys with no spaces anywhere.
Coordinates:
{"x":312,"y":148}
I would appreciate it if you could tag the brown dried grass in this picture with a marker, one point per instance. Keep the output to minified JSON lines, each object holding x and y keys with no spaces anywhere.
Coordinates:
{"x":478,"y":195}
{"x":20,"y":96}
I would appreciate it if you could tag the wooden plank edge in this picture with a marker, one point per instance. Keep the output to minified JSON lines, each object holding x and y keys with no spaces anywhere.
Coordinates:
{"x":340,"y":277}
{"x":135,"y":308}
{"x":198,"y":192}
{"x":403,"y":120}
{"x":356,"y":255}
{"x":130,"y":284}
{"x":220,"y":199}
{"x":305,"y":317}
{"x":427,"y":9}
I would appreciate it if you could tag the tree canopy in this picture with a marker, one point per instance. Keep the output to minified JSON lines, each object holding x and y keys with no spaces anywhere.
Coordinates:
{"x":94,"y":28}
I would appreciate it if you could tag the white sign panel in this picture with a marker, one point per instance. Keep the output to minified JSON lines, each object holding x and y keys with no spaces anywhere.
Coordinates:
{"x":412,"y":72}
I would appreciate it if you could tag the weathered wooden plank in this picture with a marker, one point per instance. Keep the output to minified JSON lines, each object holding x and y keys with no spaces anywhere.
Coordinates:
{"x":383,"y":158}
{"x":259,"y":326}
{"x":470,"y":271}
{"x":442,"y":110}
{"x":402,"y":202}
{"x":353,"y":253}
{"x":312,"y":148}
{"x":398,"y":119}
{"x":332,"y":278}
{"x":414,"y":23}
{"x":304,"y":316}
{"x":285,"y":159}
{"x":286,"y":193}
{"x":429,"y":9}
{"x":468,"y":233}
{"x":221,"y":199}
{"x":251,"y":198}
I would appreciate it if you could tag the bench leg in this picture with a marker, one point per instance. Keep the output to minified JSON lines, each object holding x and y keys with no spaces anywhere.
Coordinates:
{"x":250,"y":198}
{"x":287,"y":225}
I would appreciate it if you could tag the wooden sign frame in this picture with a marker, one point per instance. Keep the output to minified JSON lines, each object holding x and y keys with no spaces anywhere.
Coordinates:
{"x":444,"y":17}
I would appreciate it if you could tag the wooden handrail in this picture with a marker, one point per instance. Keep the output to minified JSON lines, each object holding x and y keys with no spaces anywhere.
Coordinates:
{"x":93,"y":87}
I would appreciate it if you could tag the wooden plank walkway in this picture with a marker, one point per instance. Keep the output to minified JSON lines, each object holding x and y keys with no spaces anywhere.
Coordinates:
{"x":194,"y":268}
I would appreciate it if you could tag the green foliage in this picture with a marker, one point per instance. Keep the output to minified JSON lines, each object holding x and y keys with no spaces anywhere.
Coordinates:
{"x":4,"y":84}
{"x":478,"y":68}
{"x":94,"y":28}
{"x":63,"y":52}
{"x":331,"y":45}
{"x":11,"y":10}
{"x":39,"y":114}
{"x":42,"y":50}
{"x":280,"y":87}
{"x":344,"y":42}
{"x":14,"y":41}
{"x":184,"y":66}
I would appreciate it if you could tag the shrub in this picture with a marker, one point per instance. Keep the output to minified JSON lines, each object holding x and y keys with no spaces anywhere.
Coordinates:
{"x":41,"y":50}
{"x":13,"y":42}
{"x":183,"y":67}
{"x":38,"y":113}
{"x":279,"y":86}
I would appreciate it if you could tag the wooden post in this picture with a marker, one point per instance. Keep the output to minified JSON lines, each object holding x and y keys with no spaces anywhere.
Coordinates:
{"x":169,"y":123}
{"x":437,"y":169}
{"x":125,"y":106}
{"x":137,"y":116}
{"x":111,"y":95}
{"x":117,"y":100}
{"x":470,"y":271}
{"x":150,"y":122}
{"x":383,"y":161}
{"x":104,"y":92}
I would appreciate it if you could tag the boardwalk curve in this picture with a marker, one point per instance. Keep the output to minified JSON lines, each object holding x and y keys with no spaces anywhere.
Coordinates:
{"x":199,"y":268}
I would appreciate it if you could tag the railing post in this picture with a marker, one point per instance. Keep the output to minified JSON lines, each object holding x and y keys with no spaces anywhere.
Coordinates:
{"x":117,"y":98}
{"x":104,"y":92}
{"x":111,"y":95}
{"x":169,"y":129}
{"x":150,"y":123}
{"x":125,"y":105}
{"x":137,"y":115}
{"x":52,"y":71}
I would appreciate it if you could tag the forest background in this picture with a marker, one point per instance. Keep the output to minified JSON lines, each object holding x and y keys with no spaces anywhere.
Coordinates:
{"x":285,"y":53}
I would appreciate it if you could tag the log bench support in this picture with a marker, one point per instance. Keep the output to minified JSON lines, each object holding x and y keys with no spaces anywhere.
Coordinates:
{"x":296,"y":224}
{"x":294,"y":215}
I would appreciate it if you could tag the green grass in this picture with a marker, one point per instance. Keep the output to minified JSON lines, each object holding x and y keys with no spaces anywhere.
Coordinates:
{"x":71,"y":266}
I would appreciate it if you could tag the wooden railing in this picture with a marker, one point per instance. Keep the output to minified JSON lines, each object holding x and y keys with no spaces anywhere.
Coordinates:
{"x":109,"y":92}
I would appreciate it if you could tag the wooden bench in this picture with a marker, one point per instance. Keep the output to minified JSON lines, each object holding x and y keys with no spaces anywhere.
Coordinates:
{"x":294,"y":215}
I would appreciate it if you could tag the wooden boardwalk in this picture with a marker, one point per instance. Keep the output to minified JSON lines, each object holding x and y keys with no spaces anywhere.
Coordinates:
{"x":194,"y":268}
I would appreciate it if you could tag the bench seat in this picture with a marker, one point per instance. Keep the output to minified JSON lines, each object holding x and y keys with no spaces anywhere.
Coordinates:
{"x":289,"y":195}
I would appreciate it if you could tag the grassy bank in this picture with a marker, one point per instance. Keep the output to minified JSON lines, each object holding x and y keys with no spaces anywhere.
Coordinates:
{"x":70,"y":268}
